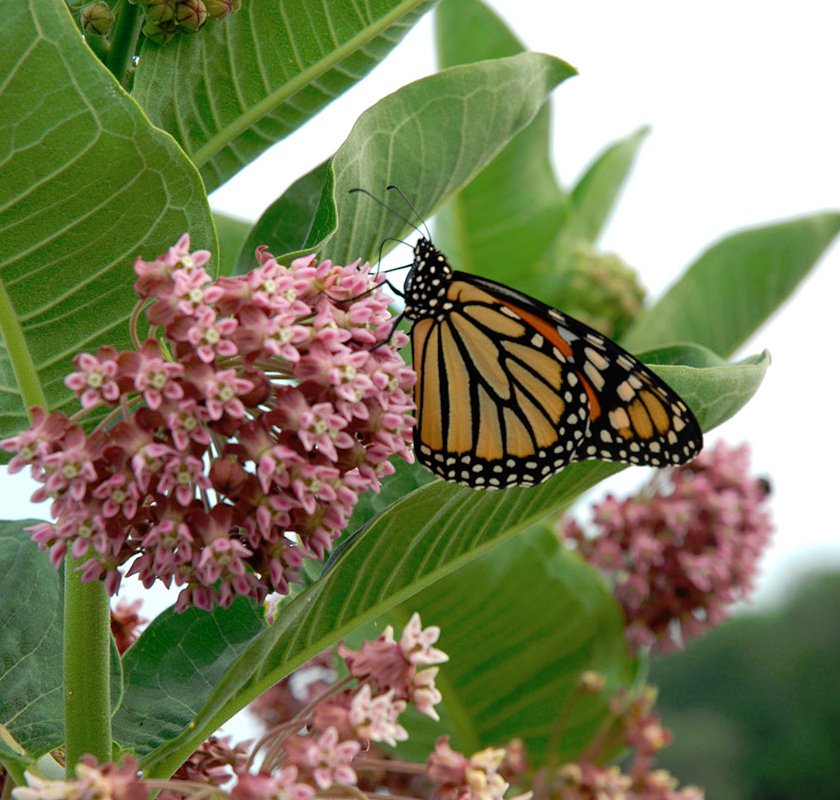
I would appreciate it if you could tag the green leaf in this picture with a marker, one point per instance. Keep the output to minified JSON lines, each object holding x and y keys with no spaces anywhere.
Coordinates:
{"x":595,"y":194}
{"x":429,"y":138}
{"x":174,"y":665}
{"x":251,"y":80}
{"x":286,"y":225}
{"x":407,"y":478}
{"x":736,"y":285}
{"x":31,"y":686}
{"x":520,"y":624}
{"x":232,"y":233}
{"x":86,"y":185}
{"x":405,"y":549}
{"x":31,"y":646}
{"x":502,"y":223}
{"x":714,"y":389}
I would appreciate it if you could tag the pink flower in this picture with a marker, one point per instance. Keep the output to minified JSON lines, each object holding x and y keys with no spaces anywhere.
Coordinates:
{"x":95,"y":382}
{"x":375,"y":718}
{"x":447,"y":768}
{"x":153,"y":376}
{"x":423,"y":693}
{"x":282,"y":785}
{"x":329,"y":759}
{"x":684,"y":549}
{"x":104,"y":782}
{"x":458,"y":778}
{"x":416,"y":643}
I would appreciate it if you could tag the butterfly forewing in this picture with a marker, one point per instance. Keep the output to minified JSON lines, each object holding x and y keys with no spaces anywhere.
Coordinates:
{"x":495,"y":405}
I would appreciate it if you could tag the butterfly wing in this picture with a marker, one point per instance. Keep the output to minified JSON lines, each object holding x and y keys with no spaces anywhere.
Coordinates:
{"x":511,"y":390}
{"x":497,"y":402}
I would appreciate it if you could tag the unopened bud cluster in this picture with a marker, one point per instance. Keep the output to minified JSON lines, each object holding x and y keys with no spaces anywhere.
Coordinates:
{"x":166,"y":18}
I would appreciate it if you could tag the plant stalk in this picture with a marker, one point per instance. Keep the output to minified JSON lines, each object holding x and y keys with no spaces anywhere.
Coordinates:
{"x":126,"y":31}
{"x":87,"y":668}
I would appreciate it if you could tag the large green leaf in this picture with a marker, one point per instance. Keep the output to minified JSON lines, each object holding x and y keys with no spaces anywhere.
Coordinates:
{"x":594,"y":196}
{"x":406,"y":548}
{"x":502,"y":223}
{"x":86,"y":185}
{"x":252,"y":79}
{"x":31,"y":685}
{"x":174,"y":664}
{"x":31,"y":646}
{"x":286,"y":225}
{"x":430,"y":138}
{"x":232,"y":233}
{"x":520,"y":624}
{"x":736,"y":285}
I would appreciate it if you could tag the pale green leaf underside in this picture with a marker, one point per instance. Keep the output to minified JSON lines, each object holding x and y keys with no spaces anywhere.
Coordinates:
{"x":736,"y":285}
{"x":252,"y":79}
{"x":429,"y":138}
{"x":31,"y":642}
{"x":86,"y":185}
{"x":502,"y":223}
{"x":520,"y":624}
{"x":31,"y":689}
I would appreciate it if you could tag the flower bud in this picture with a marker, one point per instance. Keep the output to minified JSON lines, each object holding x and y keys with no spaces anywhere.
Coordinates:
{"x":191,"y":15}
{"x":217,"y":9}
{"x":159,"y":32}
{"x":160,"y":11}
{"x":97,"y":19}
{"x":600,"y":290}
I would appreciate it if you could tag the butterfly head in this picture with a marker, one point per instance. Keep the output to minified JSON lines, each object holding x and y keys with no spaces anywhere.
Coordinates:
{"x":427,"y":280}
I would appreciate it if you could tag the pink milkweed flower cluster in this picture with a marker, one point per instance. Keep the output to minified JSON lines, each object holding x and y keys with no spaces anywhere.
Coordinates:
{"x":633,"y":725}
{"x":684,"y":549}
{"x":317,"y":749}
{"x":240,"y":434}
{"x":105,"y":781}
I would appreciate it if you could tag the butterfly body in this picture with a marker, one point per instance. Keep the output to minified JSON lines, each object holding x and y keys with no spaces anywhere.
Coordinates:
{"x":510,"y":390}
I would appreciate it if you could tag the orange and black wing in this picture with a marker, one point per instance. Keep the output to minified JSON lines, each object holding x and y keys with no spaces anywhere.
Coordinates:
{"x":510,"y":390}
{"x":497,"y":404}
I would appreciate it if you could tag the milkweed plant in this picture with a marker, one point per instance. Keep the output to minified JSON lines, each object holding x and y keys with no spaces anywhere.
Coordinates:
{"x":225,"y":408}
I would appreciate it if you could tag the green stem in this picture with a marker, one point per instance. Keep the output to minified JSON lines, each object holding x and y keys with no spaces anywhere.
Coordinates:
{"x":124,"y":35}
{"x":87,"y":665}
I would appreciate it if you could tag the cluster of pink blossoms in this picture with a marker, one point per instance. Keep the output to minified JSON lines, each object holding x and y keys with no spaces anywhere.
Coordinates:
{"x":313,"y":752}
{"x":684,"y":549}
{"x":238,"y":441}
{"x":632,"y":725}
{"x":325,"y":736}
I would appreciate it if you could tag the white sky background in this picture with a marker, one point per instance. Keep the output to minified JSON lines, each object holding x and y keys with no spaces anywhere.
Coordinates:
{"x":743,"y":103}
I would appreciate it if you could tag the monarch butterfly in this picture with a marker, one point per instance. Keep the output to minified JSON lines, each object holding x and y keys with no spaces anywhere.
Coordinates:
{"x":510,"y":390}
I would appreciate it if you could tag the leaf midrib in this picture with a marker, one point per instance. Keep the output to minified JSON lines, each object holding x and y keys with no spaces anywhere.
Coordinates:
{"x":246,"y":120}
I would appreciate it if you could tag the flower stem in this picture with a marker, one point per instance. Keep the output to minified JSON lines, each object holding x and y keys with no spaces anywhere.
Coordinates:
{"x":120,"y":59}
{"x":87,"y":668}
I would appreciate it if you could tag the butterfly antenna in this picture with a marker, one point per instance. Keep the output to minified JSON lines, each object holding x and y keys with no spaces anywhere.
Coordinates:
{"x":411,"y":206}
{"x":396,"y":213}
{"x":381,"y":246}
